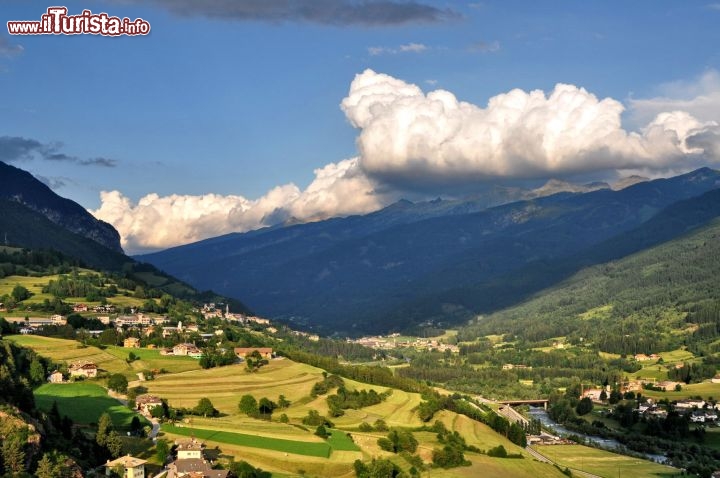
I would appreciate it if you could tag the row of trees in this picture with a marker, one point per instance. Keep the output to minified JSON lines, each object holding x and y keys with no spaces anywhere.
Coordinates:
{"x":262,"y":408}
{"x":345,"y":399}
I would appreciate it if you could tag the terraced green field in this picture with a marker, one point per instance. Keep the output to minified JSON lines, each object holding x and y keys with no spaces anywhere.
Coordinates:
{"x":152,"y":360}
{"x":603,"y":463}
{"x":60,"y":350}
{"x":83,"y":403}
{"x":225,"y":385}
{"x":322,"y":449}
{"x":112,"y":359}
{"x":35,"y":285}
{"x":704,"y":389}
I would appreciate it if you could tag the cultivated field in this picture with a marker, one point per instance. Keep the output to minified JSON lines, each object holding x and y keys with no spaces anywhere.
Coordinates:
{"x":112,"y":359}
{"x":60,"y":350}
{"x":318,"y":448}
{"x":83,"y":403}
{"x":486,"y":467}
{"x":225,"y":385}
{"x":153,"y":360}
{"x":604,"y":463}
{"x":35,"y":285}
{"x":704,"y":389}
{"x":230,"y":433}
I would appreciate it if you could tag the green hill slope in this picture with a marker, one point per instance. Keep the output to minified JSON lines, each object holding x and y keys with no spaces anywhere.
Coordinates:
{"x":21,"y":226}
{"x":21,"y":187}
{"x":654,"y":300}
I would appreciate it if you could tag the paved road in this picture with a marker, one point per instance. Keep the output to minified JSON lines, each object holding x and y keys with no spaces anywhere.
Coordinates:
{"x":155,"y":428}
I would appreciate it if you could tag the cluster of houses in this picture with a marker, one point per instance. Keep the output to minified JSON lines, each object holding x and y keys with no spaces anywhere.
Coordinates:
{"x":309,"y":336}
{"x":87,"y":369}
{"x":247,"y":319}
{"x":700,"y":411}
{"x":212,"y":310}
{"x":139,"y":320}
{"x":391,"y":342}
{"x":189,"y":462}
{"x":146,"y":323}
{"x":100,"y":309}
{"x":184,"y":349}
{"x":30,"y":324}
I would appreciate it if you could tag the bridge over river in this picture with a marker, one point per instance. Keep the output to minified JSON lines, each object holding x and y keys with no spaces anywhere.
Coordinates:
{"x":532,"y":403}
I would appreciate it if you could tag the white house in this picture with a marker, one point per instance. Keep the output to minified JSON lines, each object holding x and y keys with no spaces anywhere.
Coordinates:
{"x":132,"y":467}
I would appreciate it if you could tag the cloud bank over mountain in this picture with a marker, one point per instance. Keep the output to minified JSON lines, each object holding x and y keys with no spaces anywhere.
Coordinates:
{"x":156,"y":222}
{"x":410,"y":140}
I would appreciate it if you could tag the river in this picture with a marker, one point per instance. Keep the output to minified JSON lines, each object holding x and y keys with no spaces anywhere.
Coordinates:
{"x":605,"y":443}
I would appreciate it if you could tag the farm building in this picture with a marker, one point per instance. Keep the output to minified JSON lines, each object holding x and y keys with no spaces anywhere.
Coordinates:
{"x":191,"y":463}
{"x":186,"y":349}
{"x":56,"y":377}
{"x":145,"y":403}
{"x":83,"y":368}
{"x":131,"y":343}
{"x":189,"y":449}
{"x":132,"y":467}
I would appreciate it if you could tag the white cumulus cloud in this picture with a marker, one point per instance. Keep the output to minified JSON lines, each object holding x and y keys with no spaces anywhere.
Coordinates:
{"x":410,"y":140}
{"x":406,"y":134}
{"x":156,"y":222}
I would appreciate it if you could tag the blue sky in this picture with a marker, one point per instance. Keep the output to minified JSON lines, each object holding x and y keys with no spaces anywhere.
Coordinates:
{"x":235,"y":98}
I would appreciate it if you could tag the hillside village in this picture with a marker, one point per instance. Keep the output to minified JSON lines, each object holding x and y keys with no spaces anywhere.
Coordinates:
{"x":210,"y":336}
{"x":189,"y":462}
{"x":396,"y":341}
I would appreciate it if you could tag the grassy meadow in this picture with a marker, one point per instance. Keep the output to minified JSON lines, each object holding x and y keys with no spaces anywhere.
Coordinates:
{"x":703,"y":389}
{"x":36,"y":284}
{"x":318,"y":449}
{"x":225,"y":385}
{"x":33,"y":284}
{"x":151,"y":359}
{"x":603,"y":463}
{"x":83,"y":403}
{"x":61,"y":350}
{"x":112,"y":359}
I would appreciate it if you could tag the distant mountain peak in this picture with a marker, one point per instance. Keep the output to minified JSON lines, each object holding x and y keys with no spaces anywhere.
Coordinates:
{"x":554,"y":186}
{"x":628,"y":181}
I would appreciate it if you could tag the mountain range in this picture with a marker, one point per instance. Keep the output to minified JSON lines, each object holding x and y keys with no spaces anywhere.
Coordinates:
{"x":430,"y":262}
{"x":406,"y":266}
{"x":32,"y":216}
